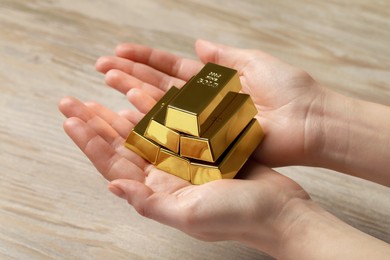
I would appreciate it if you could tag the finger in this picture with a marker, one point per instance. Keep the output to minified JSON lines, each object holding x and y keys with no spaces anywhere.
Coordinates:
{"x":104,"y":157}
{"x":107,"y":124}
{"x":134,"y":116}
{"x":105,"y":63}
{"x":140,"y":71}
{"x":162,"y":207}
{"x":123,"y":82}
{"x":121,"y":125}
{"x":71,"y":107}
{"x":141,"y":100}
{"x":119,"y":75}
{"x":163,"y":61}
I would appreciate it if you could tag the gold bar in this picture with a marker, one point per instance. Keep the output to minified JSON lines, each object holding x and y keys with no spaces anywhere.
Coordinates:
{"x":231,"y":119}
{"x":158,"y":132}
{"x":230,"y":96}
{"x":137,"y":142}
{"x":143,"y":147}
{"x":161,"y":134}
{"x":234,"y":158}
{"x":173,"y":164}
{"x":201,"y":95}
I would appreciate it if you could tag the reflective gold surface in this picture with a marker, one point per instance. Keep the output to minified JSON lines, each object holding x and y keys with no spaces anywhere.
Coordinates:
{"x":231,"y":120}
{"x":174,"y":164}
{"x":136,"y":141}
{"x":158,"y":132}
{"x":228,"y":135}
{"x":163,"y":135}
{"x":232,"y":160}
{"x":142,"y":146}
{"x":199,"y":97}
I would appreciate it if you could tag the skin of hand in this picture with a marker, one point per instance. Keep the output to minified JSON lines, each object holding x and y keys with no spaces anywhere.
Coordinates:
{"x":262,"y":208}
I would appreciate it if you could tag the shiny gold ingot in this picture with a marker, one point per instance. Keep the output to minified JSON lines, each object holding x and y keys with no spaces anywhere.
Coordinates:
{"x":201,"y":95}
{"x":173,"y":164}
{"x":158,"y":132}
{"x":137,"y":142}
{"x":163,"y":135}
{"x":142,"y":146}
{"x":230,"y":121}
{"x":231,"y":161}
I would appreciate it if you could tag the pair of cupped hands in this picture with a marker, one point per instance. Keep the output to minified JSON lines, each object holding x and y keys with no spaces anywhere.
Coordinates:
{"x":247,"y":208}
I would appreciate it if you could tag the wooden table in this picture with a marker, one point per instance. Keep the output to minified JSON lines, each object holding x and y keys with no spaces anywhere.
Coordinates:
{"x":54,"y":204}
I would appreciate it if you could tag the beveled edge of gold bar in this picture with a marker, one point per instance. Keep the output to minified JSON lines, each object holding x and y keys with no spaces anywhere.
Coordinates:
{"x":202,"y":150}
{"x":161,"y":134}
{"x":137,"y":142}
{"x":232,"y":160}
{"x":142,"y":146}
{"x":242,"y":147}
{"x":173,"y":164}
{"x":231,"y":120}
{"x":182,"y":121}
{"x":203,"y":173}
{"x":225,"y":102}
{"x":196,"y":148}
{"x":191,"y":108}
{"x":140,"y":128}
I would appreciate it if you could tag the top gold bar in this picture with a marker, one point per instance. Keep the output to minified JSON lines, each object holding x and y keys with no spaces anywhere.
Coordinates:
{"x":199,"y":97}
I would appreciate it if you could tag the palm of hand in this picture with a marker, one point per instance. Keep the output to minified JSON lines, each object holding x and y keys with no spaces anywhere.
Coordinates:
{"x":284,"y":97}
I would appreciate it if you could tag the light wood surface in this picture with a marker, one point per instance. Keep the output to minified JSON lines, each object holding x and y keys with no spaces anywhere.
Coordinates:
{"x":54,"y":204}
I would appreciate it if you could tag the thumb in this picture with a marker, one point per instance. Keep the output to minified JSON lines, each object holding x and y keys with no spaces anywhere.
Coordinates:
{"x":225,"y":55}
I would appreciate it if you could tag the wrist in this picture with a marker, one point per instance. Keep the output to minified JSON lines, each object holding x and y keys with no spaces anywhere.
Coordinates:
{"x":276,"y":235}
{"x":310,"y":232}
{"x":349,"y":133}
{"x":264,"y":228}
{"x":327,"y":130}
{"x":290,"y":226}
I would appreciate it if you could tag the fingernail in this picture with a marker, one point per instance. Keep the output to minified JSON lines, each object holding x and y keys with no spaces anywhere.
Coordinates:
{"x":117,"y":191}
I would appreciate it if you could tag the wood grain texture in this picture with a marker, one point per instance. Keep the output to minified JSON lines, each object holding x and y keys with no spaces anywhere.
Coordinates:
{"x":53,"y":203}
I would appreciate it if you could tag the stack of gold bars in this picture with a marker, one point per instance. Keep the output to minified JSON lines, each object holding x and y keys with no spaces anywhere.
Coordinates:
{"x":205,"y":131}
